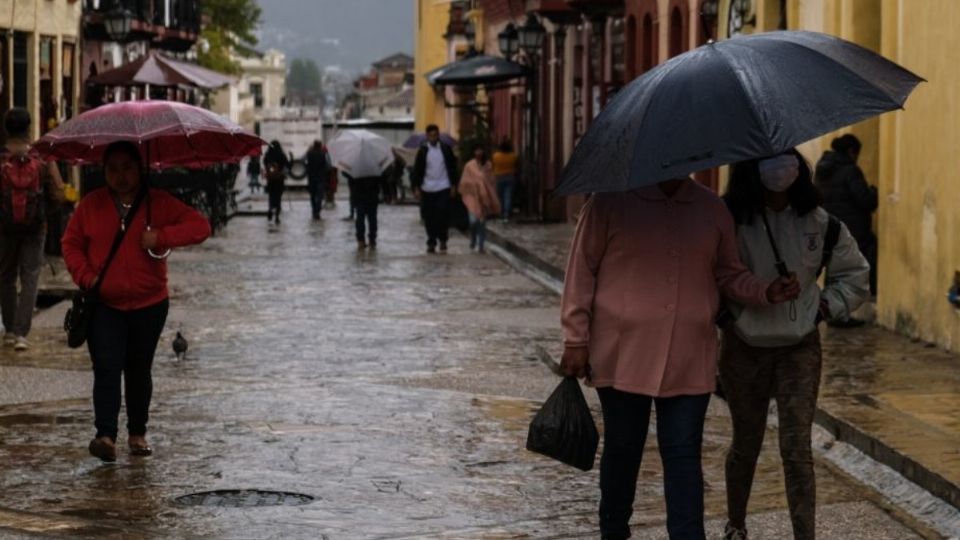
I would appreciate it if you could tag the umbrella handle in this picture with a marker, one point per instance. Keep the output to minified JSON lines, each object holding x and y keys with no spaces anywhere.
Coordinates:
{"x":161,"y":256}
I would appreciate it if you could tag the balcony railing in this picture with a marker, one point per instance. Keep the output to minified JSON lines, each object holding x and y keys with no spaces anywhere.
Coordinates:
{"x":168,"y":22}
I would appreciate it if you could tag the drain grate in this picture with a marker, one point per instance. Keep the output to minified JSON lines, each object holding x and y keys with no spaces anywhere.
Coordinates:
{"x":244,"y":498}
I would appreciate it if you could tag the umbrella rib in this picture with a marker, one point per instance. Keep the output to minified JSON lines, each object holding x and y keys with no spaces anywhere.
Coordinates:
{"x":753,"y":110}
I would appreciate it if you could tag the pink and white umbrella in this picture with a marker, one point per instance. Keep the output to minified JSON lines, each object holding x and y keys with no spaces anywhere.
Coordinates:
{"x":169,"y":133}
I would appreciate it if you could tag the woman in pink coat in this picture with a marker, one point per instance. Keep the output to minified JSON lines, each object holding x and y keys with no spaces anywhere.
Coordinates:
{"x":476,"y":189}
{"x":642,"y":290}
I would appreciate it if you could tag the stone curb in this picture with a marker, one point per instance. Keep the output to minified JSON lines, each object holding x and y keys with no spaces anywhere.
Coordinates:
{"x":842,"y":430}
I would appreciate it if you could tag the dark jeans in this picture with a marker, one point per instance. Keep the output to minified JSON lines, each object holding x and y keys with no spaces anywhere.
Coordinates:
{"x":123,"y":343}
{"x":275,"y":203}
{"x":316,"y":187}
{"x":751,"y":376}
{"x":367,"y":215}
{"x":505,"y":186}
{"x":435,"y":210}
{"x":626,"y":418}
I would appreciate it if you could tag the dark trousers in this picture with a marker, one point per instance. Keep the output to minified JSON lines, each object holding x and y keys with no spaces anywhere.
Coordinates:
{"x":275,"y":197}
{"x":435,"y":210}
{"x":751,"y":376}
{"x":316,"y":187}
{"x":626,"y":418}
{"x":123,"y":343}
{"x":367,"y":215}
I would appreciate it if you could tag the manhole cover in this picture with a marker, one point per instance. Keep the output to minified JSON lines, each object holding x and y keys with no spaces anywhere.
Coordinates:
{"x":244,"y":498}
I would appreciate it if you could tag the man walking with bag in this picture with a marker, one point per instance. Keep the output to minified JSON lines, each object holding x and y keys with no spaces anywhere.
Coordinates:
{"x":27,"y":185}
{"x":434,"y":185}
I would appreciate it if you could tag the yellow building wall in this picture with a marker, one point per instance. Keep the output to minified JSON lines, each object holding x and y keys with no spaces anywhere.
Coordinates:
{"x":918,"y":224}
{"x":57,"y":19}
{"x":432,"y":17}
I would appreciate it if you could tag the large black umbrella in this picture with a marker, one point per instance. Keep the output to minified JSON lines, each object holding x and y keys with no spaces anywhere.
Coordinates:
{"x":724,"y":102}
{"x":476,"y":70}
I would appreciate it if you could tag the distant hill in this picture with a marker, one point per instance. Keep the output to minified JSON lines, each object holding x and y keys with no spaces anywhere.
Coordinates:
{"x":349,"y":33}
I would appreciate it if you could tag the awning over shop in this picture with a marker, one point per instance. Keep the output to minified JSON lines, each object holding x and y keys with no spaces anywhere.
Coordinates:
{"x":476,"y":71}
{"x":157,"y":70}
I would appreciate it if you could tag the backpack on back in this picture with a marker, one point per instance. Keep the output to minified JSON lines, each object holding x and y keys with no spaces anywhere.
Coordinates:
{"x":21,"y":195}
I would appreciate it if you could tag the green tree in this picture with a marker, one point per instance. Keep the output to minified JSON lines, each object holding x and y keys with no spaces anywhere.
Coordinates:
{"x":304,"y":81}
{"x":231,"y":26}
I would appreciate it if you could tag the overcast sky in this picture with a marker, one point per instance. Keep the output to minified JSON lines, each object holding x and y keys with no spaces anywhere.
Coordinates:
{"x":349,"y":33}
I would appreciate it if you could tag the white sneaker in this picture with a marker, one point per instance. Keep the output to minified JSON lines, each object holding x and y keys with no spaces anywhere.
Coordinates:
{"x":9,"y":339}
{"x":21,"y":344}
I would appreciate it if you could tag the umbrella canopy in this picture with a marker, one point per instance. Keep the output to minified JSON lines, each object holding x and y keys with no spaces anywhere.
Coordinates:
{"x":477,"y":70}
{"x":737,"y":99}
{"x":361,"y":153}
{"x":418,"y":139}
{"x":170,"y":134}
{"x":158,"y":70}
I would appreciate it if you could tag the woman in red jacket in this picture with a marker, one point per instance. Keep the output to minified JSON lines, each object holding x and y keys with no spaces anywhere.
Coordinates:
{"x":133,"y":300}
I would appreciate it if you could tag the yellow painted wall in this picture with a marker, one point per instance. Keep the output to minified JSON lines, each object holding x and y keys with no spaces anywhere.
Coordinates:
{"x":432,"y":17}
{"x":919,"y":236}
{"x":57,"y":19}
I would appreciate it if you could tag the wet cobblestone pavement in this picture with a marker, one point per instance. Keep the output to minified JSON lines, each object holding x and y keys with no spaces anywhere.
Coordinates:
{"x":392,"y":386}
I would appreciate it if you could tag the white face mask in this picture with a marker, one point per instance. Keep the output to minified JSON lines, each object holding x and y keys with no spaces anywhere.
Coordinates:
{"x":779,"y":173}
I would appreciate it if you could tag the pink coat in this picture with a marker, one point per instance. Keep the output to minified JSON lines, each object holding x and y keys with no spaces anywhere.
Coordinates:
{"x":476,"y":189}
{"x":643,"y":286}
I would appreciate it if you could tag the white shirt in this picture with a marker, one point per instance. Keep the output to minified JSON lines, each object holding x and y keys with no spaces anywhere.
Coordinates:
{"x":436,"y":178}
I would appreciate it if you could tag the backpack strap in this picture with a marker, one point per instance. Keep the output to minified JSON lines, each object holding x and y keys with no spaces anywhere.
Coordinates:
{"x":829,"y":242}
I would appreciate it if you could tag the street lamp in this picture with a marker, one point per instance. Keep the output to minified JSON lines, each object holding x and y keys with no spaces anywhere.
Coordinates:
{"x":531,"y":35}
{"x":470,"y":32}
{"x":508,"y":40}
{"x":117,"y":22}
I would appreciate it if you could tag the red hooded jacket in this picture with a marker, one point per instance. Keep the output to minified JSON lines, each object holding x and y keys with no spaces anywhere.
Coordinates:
{"x":134,"y":280}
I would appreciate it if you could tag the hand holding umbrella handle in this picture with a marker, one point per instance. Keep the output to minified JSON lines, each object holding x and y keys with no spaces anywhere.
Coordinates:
{"x":160,"y":256}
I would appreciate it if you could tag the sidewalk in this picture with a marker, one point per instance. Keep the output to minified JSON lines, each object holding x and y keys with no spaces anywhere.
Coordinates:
{"x":895,"y":400}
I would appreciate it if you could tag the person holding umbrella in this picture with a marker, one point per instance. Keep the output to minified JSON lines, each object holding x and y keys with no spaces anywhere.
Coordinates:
{"x":132,"y":296}
{"x":434,"y":183}
{"x":276,"y":164}
{"x":642,"y":288}
{"x":774,"y":351}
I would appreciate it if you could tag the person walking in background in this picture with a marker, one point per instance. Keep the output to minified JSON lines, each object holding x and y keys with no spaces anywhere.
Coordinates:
{"x":317,"y":169}
{"x":395,"y":180}
{"x":277,"y":164}
{"x":848,"y":196}
{"x":27,"y":186}
{"x":505,"y":162}
{"x":476,"y":189}
{"x":132,"y":300}
{"x":365,"y":194}
{"x":253,"y":173}
{"x":434,"y":185}
{"x":643,"y":286}
{"x":774,"y":351}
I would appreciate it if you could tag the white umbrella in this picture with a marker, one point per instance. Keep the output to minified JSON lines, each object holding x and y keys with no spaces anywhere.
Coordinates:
{"x":361,"y":153}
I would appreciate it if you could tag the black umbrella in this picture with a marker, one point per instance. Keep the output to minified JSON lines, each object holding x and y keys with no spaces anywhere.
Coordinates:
{"x":724,"y":102}
{"x":476,"y":70}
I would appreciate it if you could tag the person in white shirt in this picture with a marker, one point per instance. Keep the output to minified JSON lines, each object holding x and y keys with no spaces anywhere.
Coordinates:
{"x":434,"y":183}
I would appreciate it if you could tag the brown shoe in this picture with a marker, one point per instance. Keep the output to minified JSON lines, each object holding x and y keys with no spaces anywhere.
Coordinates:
{"x":361,"y":245}
{"x":139,"y":447}
{"x":103,"y":448}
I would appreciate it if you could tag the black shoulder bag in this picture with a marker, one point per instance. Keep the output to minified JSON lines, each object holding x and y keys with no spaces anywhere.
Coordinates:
{"x":77,"y":321}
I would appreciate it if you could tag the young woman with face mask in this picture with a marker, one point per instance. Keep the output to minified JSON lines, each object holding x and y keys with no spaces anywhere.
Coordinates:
{"x":774,"y":351}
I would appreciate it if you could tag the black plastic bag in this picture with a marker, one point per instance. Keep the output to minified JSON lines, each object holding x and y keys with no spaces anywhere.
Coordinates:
{"x":459,"y":218}
{"x":563,"y":428}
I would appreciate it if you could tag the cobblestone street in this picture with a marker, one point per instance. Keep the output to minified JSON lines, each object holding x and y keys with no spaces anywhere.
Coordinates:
{"x":393,"y":387}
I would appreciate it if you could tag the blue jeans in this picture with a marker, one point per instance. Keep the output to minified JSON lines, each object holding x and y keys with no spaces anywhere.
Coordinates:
{"x":478,"y":232}
{"x":505,"y":186}
{"x":626,"y":418}
{"x":317,"y":188}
